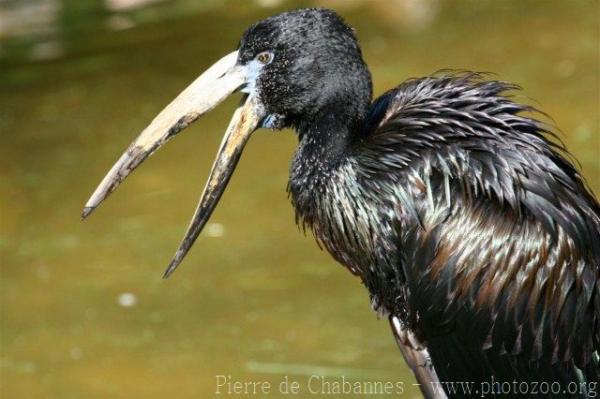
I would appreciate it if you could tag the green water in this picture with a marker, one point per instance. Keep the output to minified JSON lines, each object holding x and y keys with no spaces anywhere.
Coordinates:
{"x":254,"y":299}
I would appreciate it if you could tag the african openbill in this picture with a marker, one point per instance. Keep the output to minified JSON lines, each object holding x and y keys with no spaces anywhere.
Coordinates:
{"x":466,"y":221}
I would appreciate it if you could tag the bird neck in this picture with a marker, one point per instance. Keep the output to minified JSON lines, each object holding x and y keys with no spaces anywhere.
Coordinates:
{"x":326,"y":135}
{"x":324,"y":145}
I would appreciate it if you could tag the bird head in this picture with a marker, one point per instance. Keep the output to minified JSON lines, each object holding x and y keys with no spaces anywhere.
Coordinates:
{"x":288,"y":67}
{"x":305,"y":60}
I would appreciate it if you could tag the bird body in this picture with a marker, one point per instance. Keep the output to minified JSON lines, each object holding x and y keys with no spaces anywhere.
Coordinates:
{"x":467,"y":223}
{"x":469,"y":228}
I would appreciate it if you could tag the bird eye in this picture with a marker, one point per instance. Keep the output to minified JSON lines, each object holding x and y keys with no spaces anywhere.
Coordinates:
{"x":265,"y":57}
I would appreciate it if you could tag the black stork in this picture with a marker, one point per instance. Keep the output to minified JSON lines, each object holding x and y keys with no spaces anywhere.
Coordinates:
{"x":466,"y":221}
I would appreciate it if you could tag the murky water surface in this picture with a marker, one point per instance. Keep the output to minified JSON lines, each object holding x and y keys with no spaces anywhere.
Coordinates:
{"x":84,"y":311}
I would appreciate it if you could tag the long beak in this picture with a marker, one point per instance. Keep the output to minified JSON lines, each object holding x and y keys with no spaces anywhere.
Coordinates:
{"x":244,"y":121}
{"x":205,"y":93}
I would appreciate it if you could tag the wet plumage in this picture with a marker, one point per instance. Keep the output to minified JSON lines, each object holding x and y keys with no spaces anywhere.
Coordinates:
{"x":455,"y":205}
{"x":484,"y":242}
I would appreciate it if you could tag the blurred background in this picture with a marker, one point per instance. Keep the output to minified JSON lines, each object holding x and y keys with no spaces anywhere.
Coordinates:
{"x":84,"y":311}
